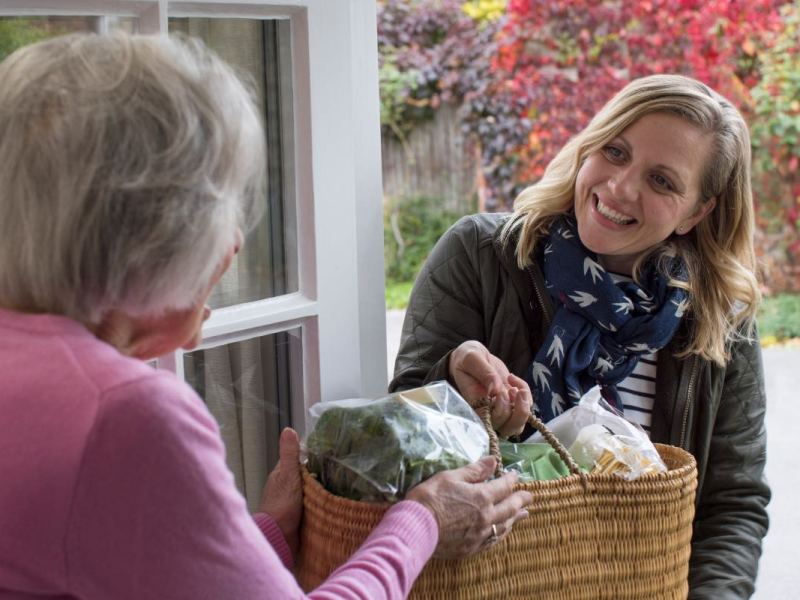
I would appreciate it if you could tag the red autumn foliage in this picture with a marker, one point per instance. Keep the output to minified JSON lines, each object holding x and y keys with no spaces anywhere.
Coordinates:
{"x":527,"y":83}
{"x":568,"y":58}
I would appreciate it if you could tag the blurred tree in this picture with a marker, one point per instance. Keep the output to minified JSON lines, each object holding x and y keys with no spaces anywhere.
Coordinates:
{"x":430,"y":52}
{"x":531,"y":78}
{"x":16,"y":32}
{"x":568,"y":58}
{"x":434,"y":51}
{"x":776,"y":133}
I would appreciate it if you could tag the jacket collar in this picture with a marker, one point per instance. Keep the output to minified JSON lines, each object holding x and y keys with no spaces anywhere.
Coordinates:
{"x":529,"y":282}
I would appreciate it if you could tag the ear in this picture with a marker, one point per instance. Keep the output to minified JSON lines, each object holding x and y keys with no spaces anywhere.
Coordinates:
{"x":147,"y":337}
{"x":151,"y":336}
{"x":701,"y":213}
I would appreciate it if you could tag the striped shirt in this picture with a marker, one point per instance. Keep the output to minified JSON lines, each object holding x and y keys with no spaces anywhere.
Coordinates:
{"x":638,"y":391}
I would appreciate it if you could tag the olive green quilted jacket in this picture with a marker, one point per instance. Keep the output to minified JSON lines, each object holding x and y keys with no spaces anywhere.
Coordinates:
{"x":471,"y":289}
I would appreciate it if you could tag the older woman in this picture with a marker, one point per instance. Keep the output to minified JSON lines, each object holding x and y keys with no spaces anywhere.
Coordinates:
{"x":128,"y":166}
{"x":629,"y":265}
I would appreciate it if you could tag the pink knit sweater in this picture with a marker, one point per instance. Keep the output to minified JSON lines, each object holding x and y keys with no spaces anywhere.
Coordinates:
{"x":113,"y":485}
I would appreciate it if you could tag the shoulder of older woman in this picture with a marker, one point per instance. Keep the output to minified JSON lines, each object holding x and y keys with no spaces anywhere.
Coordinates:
{"x":126,"y":491}
{"x":52,"y":372}
{"x":116,"y":485}
{"x":154,"y":491}
{"x":120,"y":488}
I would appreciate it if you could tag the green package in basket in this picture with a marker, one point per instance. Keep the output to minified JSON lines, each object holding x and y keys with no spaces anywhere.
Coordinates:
{"x":533,"y":461}
{"x":376,"y":450}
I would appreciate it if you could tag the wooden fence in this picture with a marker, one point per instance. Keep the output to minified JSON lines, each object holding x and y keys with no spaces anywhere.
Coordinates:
{"x":436,"y":160}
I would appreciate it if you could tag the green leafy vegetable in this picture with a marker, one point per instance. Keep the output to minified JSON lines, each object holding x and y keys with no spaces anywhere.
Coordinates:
{"x":377,"y":450}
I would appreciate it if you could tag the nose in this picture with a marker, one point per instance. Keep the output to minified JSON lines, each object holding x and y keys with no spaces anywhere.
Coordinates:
{"x":623,"y":184}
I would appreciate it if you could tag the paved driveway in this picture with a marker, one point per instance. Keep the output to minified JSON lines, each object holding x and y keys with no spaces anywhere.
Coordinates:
{"x":779,"y":577}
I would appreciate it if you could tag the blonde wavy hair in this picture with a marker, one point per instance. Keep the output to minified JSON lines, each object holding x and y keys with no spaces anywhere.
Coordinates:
{"x":126,"y":165}
{"x":718,"y":252}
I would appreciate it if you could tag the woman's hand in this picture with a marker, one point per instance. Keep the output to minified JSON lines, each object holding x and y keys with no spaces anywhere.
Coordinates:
{"x":282,"y":498}
{"x":477,"y":373}
{"x":466,"y":506}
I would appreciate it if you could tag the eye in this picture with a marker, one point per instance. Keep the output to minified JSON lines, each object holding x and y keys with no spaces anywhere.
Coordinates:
{"x":660,"y":181}
{"x":614,"y":153}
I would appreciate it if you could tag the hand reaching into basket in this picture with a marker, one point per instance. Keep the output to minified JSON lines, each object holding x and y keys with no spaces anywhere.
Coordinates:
{"x":472,"y":513}
{"x":477,"y":373}
{"x":282,"y":498}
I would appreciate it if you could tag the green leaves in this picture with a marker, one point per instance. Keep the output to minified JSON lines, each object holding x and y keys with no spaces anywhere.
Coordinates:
{"x":396,"y":87}
{"x":377,"y":450}
{"x":779,"y":317}
{"x":18,"y":32}
{"x":411,"y":228}
{"x":776,"y":152}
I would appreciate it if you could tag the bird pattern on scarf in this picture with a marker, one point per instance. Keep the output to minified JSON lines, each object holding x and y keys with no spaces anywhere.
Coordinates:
{"x":600,"y":327}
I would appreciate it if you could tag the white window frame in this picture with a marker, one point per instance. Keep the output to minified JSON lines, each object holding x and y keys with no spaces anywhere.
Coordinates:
{"x":339,"y":306}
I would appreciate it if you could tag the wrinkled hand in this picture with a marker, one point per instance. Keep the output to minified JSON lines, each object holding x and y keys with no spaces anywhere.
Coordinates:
{"x":466,"y":506}
{"x":477,"y":373}
{"x":282,"y":498}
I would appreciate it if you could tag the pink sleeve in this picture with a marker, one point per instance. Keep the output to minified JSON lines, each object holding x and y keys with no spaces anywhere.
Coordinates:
{"x":274,"y":536}
{"x":156,"y":515}
{"x":389,"y":561}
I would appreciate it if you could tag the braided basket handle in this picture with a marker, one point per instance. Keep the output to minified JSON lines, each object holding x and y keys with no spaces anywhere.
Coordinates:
{"x":484,"y":410}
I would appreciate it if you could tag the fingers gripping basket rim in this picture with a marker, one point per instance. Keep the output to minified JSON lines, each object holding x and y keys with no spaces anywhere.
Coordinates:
{"x":587,"y":536}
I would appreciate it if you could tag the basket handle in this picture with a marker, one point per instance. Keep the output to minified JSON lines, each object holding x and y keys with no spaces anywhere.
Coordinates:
{"x":484,"y":410}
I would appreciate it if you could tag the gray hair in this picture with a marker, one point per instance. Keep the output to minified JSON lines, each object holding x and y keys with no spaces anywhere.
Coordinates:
{"x":126,"y":165}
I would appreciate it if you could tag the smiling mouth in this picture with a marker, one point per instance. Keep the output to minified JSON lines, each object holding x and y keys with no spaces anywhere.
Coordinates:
{"x":611,"y":214}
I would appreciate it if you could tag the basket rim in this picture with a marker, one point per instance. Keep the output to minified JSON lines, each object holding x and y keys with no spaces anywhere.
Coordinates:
{"x":596,"y":480}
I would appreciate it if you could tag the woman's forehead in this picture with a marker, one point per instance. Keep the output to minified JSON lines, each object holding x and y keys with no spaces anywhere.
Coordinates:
{"x":669,"y":139}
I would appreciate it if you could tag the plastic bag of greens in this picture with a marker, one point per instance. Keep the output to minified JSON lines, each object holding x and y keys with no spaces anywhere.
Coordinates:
{"x":376,"y":450}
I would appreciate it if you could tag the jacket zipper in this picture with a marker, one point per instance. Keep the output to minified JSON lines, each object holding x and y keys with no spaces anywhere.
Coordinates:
{"x":689,"y":398}
{"x":538,"y":292}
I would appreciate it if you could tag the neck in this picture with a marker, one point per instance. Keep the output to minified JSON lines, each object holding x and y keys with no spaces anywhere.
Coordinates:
{"x":621,"y":265}
{"x":116,"y":329}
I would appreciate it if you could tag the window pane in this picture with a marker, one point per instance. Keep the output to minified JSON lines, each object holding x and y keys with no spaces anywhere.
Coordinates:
{"x":260,"y":50}
{"x":248,"y":386}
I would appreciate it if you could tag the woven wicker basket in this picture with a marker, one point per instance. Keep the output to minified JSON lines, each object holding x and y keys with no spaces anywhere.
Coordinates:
{"x":587,"y":536}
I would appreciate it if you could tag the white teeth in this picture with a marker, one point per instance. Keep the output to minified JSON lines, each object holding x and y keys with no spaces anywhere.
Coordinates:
{"x":615,"y":216}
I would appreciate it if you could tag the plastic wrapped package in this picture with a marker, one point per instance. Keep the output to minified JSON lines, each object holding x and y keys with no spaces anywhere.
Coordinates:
{"x":601,"y":439}
{"x":591,"y":409}
{"x":598,"y":449}
{"x":376,"y":450}
{"x":533,"y":462}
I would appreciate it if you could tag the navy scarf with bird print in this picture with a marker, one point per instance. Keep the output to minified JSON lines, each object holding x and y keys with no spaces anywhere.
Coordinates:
{"x":600,"y":327}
